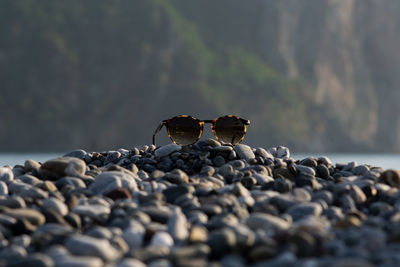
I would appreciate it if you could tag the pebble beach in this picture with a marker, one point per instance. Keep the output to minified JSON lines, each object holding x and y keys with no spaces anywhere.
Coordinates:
{"x":206,"y":204}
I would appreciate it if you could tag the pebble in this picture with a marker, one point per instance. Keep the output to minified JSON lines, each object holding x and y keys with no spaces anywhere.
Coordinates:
{"x":55,"y":205}
{"x":244,"y":152}
{"x":266,"y":222}
{"x":162,"y":239}
{"x":177,"y":226}
{"x":6,"y":175}
{"x":90,"y":246}
{"x":78,"y":153}
{"x":134,"y":235}
{"x":111,"y":180}
{"x":167,"y":150}
{"x":205,"y":204}
{"x":31,"y":215}
{"x":3,"y":188}
{"x":65,"y":166}
{"x":301,"y":210}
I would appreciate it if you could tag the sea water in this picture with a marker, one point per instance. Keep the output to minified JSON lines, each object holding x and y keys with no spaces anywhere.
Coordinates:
{"x":386,"y":161}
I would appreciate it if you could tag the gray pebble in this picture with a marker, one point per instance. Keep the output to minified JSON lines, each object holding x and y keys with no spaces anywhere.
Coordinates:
{"x":177,"y":226}
{"x":66,"y":166}
{"x":55,"y":205}
{"x":134,"y":235}
{"x":3,"y":188}
{"x":305,"y":170}
{"x":162,"y":239}
{"x":31,"y":165}
{"x":78,"y":153}
{"x":302,"y":210}
{"x":360,"y":170}
{"x":111,"y":180}
{"x":167,"y":150}
{"x":244,"y":152}
{"x":89,"y":246}
{"x":130,"y":262}
{"x":282,"y":152}
{"x":264,"y":153}
{"x":6,"y":174}
{"x":266,"y":222}
{"x":31,"y":215}
{"x":94,"y":211}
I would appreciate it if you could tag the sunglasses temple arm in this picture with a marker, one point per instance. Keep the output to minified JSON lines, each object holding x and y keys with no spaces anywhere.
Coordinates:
{"x":157,"y":131}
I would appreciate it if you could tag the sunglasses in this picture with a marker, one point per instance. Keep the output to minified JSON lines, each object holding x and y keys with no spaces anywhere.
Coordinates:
{"x":186,"y":130}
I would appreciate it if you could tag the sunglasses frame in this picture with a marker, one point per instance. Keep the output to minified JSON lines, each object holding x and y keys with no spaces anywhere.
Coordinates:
{"x":201,"y":124}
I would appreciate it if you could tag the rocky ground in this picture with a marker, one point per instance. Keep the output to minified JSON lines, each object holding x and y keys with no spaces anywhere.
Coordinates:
{"x":203,"y":205}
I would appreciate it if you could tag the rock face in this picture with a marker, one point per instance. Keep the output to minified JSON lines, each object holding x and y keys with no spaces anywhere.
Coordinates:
{"x":238,"y":206}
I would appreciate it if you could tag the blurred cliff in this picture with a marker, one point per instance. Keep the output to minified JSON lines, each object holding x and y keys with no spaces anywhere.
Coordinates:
{"x":313,"y":75}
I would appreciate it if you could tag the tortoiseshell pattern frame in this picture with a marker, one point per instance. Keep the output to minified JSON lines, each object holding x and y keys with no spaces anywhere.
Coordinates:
{"x":201,"y":124}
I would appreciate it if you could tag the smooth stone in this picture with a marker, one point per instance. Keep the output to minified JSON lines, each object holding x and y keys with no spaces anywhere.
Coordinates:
{"x":12,"y":252}
{"x":6,"y":174}
{"x":16,"y":186}
{"x":33,"y":216}
{"x":55,"y":205}
{"x":391,"y":177}
{"x":262,"y":178}
{"x":177,"y":176}
{"x":33,"y":192}
{"x":284,"y":173}
{"x":325,"y":195}
{"x":198,"y":234}
{"x":112,"y":157}
{"x":134,"y":235}
{"x":301,"y":210}
{"x":266,"y":222}
{"x":223,"y":149}
{"x":360,"y":170}
{"x":78,"y":153}
{"x":79,"y":261}
{"x":47,"y":186}
{"x":221,"y":242}
{"x":244,"y":152}
{"x":111,"y":180}
{"x":282,"y":152}
{"x":173,"y":192}
{"x":304,"y":243}
{"x":36,"y":260}
{"x":325,"y":160}
{"x":31,"y":165}
{"x":100,"y":232}
{"x":90,"y":246}
{"x":13,"y":202}
{"x":65,"y":166}
{"x":218,"y":161}
{"x":177,"y":226}
{"x":322,"y":171}
{"x":53,"y":229}
{"x":119,"y":193}
{"x":130,"y":262}
{"x":190,"y":252}
{"x":264,"y":153}
{"x":167,"y":150}
{"x":75,"y":182}
{"x":305,"y":170}
{"x":162,"y":239}
{"x":94,"y":211}
{"x":29,"y":179}
{"x":3,"y":188}
{"x":7,"y":220}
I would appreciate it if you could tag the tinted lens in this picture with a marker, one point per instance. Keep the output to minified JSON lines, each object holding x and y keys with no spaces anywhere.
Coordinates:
{"x":229,"y":130}
{"x":184,"y":130}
